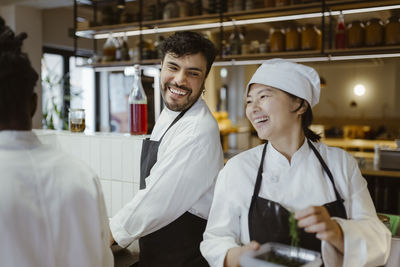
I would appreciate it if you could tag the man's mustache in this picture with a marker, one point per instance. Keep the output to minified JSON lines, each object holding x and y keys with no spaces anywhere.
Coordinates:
{"x":178,"y":86}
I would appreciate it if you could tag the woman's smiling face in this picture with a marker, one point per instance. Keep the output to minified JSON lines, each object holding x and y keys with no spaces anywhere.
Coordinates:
{"x":270,"y":111}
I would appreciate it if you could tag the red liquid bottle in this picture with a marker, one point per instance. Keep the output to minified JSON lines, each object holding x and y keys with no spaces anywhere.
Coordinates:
{"x":340,"y":33}
{"x":137,"y":106}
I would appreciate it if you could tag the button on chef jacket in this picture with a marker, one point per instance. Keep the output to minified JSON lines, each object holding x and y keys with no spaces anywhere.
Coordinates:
{"x":296,"y":185}
{"x":52,"y":211}
{"x":183,"y":178}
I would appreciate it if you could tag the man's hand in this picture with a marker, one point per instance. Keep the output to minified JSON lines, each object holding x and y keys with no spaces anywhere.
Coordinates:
{"x":111,"y":239}
{"x":316,"y":220}
{"x":232,"y":258}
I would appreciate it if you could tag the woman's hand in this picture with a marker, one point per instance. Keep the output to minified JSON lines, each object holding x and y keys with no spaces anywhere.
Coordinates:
{"x":316,"y":220}
{"x":232,"y":258}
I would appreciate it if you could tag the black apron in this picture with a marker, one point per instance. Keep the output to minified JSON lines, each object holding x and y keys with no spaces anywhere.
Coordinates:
{"x":178,"y":243}
{"x":269,"y":221}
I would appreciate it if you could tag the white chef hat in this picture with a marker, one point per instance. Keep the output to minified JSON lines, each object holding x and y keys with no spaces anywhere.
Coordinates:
{"x":296,"y":79}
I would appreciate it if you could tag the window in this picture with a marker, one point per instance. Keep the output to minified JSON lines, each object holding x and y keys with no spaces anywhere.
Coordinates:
{"x":66,"y":86}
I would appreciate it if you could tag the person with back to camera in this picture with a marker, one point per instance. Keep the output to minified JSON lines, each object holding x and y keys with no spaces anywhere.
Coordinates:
{"x":292,"y":172}
{"x":179,"y":164}
{"x":52,"y":211}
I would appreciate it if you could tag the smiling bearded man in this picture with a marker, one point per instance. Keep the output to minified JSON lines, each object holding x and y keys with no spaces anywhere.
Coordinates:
{"x":179,"y":163}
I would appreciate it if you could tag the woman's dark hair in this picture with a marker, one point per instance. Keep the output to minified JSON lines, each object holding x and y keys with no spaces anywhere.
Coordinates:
{"x":306,"y":119}
{"x":17,"y":77}
{"x":189,"y":43}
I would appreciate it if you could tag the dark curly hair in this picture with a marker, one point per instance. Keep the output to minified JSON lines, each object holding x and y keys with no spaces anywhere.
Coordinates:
{"x":17,"y":78}
{"x":189,"y":43}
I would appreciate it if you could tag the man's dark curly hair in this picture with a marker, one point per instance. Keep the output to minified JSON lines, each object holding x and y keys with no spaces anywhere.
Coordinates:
{"x":17,"y":77}
{"x":189,"y":43}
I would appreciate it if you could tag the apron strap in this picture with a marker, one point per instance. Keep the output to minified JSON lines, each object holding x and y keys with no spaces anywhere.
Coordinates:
{"x":174,"y":121}
{"x":259,"y":174}
{"x":321,"y":160}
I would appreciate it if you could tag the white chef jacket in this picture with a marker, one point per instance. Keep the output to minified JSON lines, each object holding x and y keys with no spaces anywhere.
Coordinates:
{"x":296,"y":185}
{"x":52,"y":211}
{"x":183,"y":178}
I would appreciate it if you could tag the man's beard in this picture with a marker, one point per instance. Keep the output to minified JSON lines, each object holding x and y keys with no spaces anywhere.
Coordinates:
{"x":190,"y":100}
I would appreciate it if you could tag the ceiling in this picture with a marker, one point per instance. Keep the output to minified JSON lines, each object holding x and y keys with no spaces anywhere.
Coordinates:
{"x":41,"y":4}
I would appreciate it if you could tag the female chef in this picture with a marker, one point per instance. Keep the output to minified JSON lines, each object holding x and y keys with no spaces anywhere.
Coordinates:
{"x":292,"y":172}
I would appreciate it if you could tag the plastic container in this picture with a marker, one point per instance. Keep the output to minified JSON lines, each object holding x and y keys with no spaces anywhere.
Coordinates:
{"x":137,"y":105}
{"x":264,"y":256}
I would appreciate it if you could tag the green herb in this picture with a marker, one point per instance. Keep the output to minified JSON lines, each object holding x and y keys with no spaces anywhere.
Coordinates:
{"x":293,"y":231}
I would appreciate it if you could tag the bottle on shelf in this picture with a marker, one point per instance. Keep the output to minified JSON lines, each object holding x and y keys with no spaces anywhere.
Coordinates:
{"x":340,"y":37}
{"x":235,"y":42}
{"x":118,"y":53}
{"x":125,"y":49}
{"x":137,"y":105}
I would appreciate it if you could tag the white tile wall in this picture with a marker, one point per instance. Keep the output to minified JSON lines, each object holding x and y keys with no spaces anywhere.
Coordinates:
{"x":114,"y":157}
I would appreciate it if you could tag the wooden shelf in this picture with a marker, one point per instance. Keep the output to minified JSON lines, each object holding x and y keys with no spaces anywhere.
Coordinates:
{"x":215,"y":19}
{"x":257,"y":58}
{"x":364,"y":50}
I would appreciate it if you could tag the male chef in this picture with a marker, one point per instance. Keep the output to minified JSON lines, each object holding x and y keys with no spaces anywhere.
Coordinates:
{"x":52,"y":210}
{"x":179,"y":163}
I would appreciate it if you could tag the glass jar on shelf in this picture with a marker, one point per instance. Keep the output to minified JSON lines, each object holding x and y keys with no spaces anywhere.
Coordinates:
{"x":355,"y":34}
{"x":292,"y":38}
{"x":254,"y":47}
{"x":392,"y":31}
{"x":277,"y":40}
{"x":282,"y":2}
{"x":269,"y":3}
{"x":147,"y":49}
{"x":171,"y":10}
{"x":109,"y":49}
{"x":157,"y":46}
{"x":374,"y":32}
{"x":183,"y":8}
{"x":134,"y":52}
{"x":310,"y":37}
